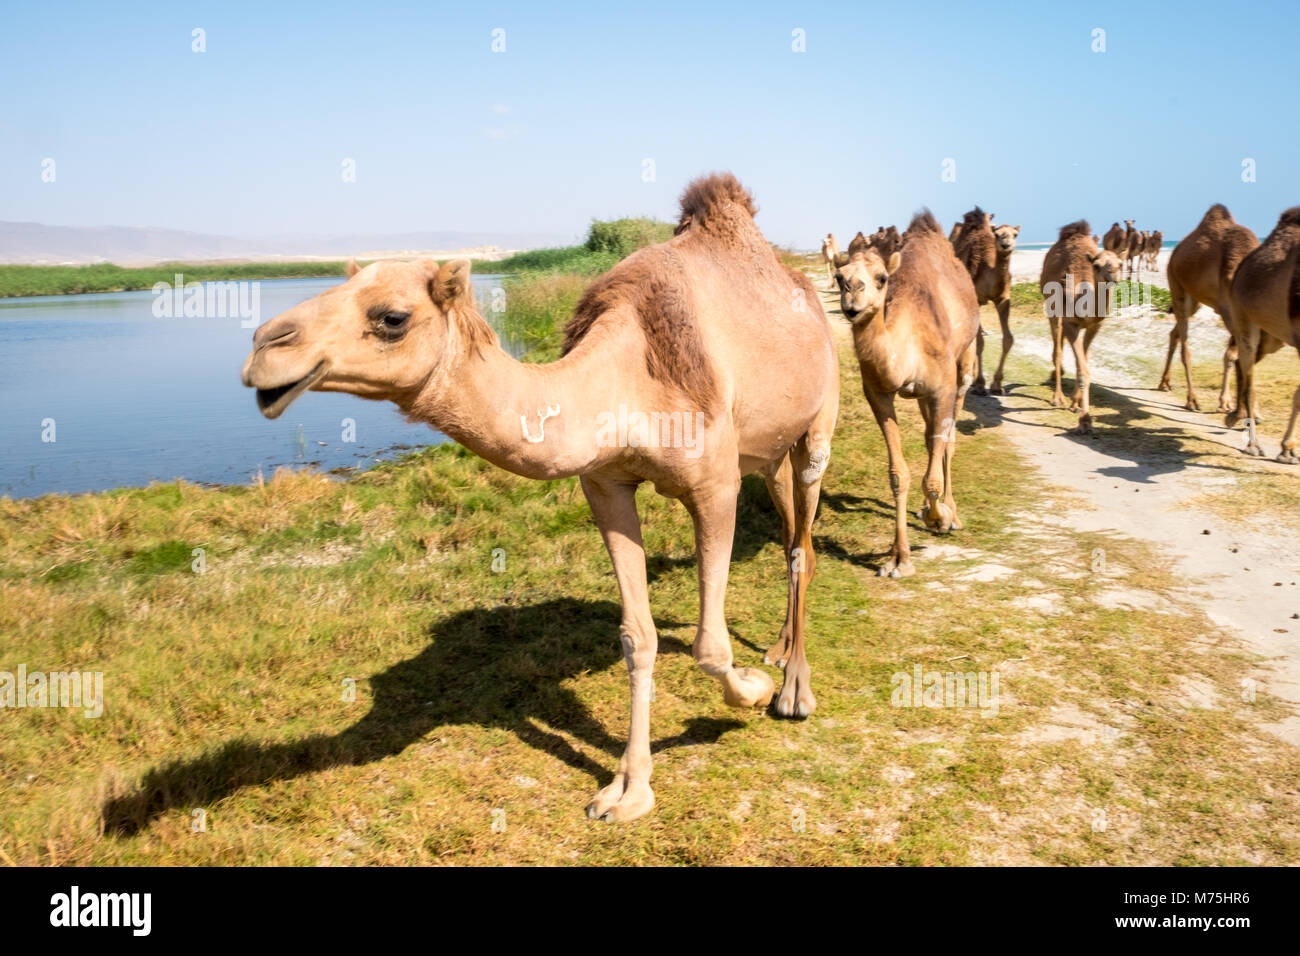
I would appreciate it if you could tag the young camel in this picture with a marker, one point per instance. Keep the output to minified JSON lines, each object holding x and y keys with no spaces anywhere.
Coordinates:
{"x":663,"y":334}
{"x":985,"y":250}
{"x":1265,"y":297}
{"x":1200,"y":272}
{"x":1075,"y":284}
{"x":914,"y":319}
{"x":831,"y":256}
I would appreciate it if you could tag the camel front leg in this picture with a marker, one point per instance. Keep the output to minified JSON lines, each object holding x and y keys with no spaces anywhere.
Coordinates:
{"x":1004,"y":319}
{"x":713,"y":511}
{"x":979,"y":387}
{"x":1058,"y":396}
{"x":613,"y":505}
{"x":1082,"y":395}
{"x":938,"y":512}
{"x":899,"y":564}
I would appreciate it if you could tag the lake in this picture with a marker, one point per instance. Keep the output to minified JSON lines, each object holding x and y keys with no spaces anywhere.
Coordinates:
{"x":134,"y":398}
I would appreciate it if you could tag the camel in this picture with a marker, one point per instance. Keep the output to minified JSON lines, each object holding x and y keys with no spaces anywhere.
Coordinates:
{"x":886,"y":241}
{"x":985,"y":250}
{"x":1200,"y":272}
{"x":1115,"y":239}
{"x":1151,"y":249}
{"x":831,"y":255}
{"x":914,"y":319}
{"x":955,"y":234}
{"x":1132,"y":245}
{"x":664,"y":334}
{"x":1075,"y":283}
{"x":1265,"y":297}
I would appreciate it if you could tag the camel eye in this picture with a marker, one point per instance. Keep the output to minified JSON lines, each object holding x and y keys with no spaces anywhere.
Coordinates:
{"x":880,"y":281}
{"x":395,"y":321}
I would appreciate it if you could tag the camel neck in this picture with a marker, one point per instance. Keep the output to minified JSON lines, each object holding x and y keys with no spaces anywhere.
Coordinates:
{"x":539,"y":421}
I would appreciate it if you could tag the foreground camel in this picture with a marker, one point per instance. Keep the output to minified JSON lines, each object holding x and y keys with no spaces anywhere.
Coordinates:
{"x":1265,"y":298}
{"x":985,"y":250}
{"x":831,"y":256}
{"x":914,"y":319}
{"x":1200,"y":272}
{"x":719,"y":384}
{"x":1075,"y":283}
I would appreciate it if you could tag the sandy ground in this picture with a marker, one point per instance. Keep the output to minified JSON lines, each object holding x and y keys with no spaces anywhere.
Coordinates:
{"x":1246,"y":579}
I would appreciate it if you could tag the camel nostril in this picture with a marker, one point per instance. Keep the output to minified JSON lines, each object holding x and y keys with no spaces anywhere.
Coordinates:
{"x":272,"y":334}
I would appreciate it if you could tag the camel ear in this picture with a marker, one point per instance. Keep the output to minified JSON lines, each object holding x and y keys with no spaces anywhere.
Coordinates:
{"x":892,"y":266}
{"x":352,"y":268}
{"x":451,"y":282}
{"x":1017,"y":229}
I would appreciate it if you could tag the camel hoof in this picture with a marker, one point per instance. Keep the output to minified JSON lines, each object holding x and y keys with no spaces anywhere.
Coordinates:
{"x":978,"y":389}
{"x":1289,"y":456}
{"x":796,"y":698}
{"x":778,"y":653}
{"x":747,"y":687}
{"x":1254,"y":450}
{"x":1192,"y":405}
{"x":997,"y":389}
{"x":895,"y":570}
{"x":1223,"y":409}
{"x":1058,"y":401}
{"x":1164,"y":386}
{"x":956,"y":524}
{"x":615,"y":804}
{"x":1084,"y":427}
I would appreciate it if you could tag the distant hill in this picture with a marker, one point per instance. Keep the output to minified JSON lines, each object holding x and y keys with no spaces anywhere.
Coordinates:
{"x":32,"y":243}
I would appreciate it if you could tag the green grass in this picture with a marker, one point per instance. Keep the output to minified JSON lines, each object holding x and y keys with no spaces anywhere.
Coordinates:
{"x":1028,"y":294}
{"x":480,"y":690}
{"x":71,"y":280}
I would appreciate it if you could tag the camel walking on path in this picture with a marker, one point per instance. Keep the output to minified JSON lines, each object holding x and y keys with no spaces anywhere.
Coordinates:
{"x":1075,"y":283}
{"x":1265,"y":297}
{"x":831,"y":256}
{"x":914,"y":320}
{"x":724,"y":359}
{"x":1200,"y":272}
{"x":985,"y":250}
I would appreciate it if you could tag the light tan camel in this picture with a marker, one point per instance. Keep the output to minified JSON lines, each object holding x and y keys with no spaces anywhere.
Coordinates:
{"x":1265,"y":298}
{"x":664,"y":334}
{"x":1151,"y":251}
{"x":1076,"y":284}
{"x":914,"y":318}
{"x":985,"y":250}
{"x":1200,"y":272}
{"x":1114,"y":240}
{"x":831,"y":255}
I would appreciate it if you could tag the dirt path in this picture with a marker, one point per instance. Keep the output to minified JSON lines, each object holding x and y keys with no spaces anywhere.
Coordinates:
{"x":1246,"y":579}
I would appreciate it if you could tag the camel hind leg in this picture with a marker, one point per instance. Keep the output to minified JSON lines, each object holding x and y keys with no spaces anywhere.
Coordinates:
{"x":1004,"y":319}
{"x":807,"y":462}
{"x":779,"y":476}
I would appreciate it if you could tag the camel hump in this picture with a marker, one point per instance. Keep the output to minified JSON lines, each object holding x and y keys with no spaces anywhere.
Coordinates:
{"x":924,"y":221}
{"x":974,"y":219}
{"x":1290,"y":218}
{"x":1218,"y":212}
{"x":1080,"y":228}
{"x":710,"y":198}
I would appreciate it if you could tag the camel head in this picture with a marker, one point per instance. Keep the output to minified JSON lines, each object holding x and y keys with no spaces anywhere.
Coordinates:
{"x":1128,"y":224}
{"x":1006,"y":237}
{"x":1106,"y":266}
{"x":862,"y":281}
{"x":379,"y":335}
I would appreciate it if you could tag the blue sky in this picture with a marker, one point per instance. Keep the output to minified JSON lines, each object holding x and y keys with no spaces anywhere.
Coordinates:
{"x":248,"y":139}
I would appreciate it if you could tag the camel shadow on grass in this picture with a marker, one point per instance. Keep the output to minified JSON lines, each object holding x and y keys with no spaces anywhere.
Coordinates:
{"x":503,"y":667}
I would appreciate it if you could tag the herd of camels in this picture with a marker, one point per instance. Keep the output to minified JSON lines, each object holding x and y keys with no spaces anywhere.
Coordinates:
{"x":665,"y":331}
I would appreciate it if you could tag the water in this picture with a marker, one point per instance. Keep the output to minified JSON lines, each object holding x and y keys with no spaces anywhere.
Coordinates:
{"x":135,"y":398}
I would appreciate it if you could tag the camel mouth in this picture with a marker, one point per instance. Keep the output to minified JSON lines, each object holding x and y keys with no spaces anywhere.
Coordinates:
{"x":271,"y":402}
